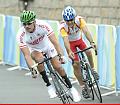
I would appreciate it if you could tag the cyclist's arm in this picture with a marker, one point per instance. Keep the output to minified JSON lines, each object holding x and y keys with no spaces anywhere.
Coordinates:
{"x":87,"y":34}
{"x":67,"y":44}
{"x":23,"y":47}
{"x":65,"y":39}
{"x":27,"y":56}
{"x":86,"y":31}
{"x":56,"y":44}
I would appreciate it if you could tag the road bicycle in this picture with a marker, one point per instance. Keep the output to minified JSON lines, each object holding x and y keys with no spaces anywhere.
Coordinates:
{"x":88,"y":76}
{"x":62,"y":89}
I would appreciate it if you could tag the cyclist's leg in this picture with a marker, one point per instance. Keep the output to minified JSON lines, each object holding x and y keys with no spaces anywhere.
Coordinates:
{"x":79,"y":78}
{"x":58,"y":67}
{"x":81,"y":45}
{"x":51,"y":52}
{"x":76,"y":65}
{"x":38,"y":56}
{"x":90,"y":57}
{"x":77,"y":72}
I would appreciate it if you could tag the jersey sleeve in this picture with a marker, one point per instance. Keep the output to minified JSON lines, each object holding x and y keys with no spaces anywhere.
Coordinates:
{"x":20,"y":39}
{"x":82,"y":23}
{"x":47,"y":28}
{"x":63,"y":29}
{"x":63,"y":32}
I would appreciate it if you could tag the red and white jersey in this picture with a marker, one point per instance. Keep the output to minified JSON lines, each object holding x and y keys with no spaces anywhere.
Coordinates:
{"x":38,"y":40}
{"x":74,"y":33}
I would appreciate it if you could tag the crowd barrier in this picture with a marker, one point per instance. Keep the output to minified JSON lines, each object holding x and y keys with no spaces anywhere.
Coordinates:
{"x":11,"y":50}
{"x":2,"y":24}
{"x":106,"y":55}
{"x":107,"y":37}
{"x":117,"y":59}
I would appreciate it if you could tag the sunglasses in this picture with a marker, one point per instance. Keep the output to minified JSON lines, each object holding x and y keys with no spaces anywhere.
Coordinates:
{"x":27,"y":23}
{"x":70,"y":20}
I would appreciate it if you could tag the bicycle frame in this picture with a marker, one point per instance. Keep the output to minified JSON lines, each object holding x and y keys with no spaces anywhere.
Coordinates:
{"x":57,"y":80}
{"x":88,"y":76}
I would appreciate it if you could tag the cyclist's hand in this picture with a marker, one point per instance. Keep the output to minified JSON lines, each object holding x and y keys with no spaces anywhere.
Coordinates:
{"x":63,"y":59}
{"x":34,"y":72}
{"x":71,"y":55}
{"x":94,"y":46}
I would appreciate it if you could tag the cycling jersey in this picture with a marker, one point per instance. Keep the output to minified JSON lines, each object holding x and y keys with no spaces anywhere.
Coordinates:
{"x":38,"y":40}
{"x":73,"y":33}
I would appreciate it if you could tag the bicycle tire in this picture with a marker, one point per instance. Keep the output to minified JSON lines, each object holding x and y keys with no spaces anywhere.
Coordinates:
{"x":90,"y":89}
{"x":67,"y":90}
{"x":94,"y":84}
{"x":88,"y":83}
{"x":60,"y":90}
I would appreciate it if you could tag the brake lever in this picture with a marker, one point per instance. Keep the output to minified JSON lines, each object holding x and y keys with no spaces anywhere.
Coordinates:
{"x":95,"y":52}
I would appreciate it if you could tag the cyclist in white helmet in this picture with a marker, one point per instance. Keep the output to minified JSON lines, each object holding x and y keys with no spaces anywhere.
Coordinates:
{"x":36,"y":36}
{"x":71,"y":29}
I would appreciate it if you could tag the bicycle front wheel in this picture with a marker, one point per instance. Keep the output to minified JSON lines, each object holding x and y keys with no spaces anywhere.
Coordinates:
{"x":94,"y":84}
{"x":60,"y":90}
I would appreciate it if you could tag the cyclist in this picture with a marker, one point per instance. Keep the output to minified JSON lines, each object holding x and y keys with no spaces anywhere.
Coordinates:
{"x":71,"y":29}
{"x":35,"y":37}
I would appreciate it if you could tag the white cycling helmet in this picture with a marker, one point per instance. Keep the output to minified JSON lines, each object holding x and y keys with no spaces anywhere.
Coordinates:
{"x":68,"y":13}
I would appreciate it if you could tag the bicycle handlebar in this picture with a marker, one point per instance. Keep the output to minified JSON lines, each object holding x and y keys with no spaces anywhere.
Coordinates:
{"x":81,"y":51}
{"x":46,"y":59}
{"x":85,"y":50}
{"x":95,"y":52}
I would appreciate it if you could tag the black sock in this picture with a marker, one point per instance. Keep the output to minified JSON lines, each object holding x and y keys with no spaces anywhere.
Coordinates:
{"x":45,"y":78}
{"x":67,"y":81}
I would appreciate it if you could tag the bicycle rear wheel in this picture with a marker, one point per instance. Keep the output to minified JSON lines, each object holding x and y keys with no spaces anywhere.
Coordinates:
{"x":64,"y":97}
{"x":90,"y":89}
{"x":94,"y":84}
{"x":88,"y":83}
